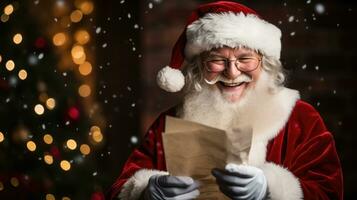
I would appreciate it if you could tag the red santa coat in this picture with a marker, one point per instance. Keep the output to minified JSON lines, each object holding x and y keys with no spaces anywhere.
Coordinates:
{"x":290,"y":144}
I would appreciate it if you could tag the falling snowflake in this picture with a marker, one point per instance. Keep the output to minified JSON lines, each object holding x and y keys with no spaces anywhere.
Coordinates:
{"x":291,"y":18}
{"x":319,"y":8}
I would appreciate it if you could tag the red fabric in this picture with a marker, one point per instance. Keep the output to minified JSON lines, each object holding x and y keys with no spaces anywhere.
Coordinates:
{"x":303,"y":146}
{"x":177,"y":56}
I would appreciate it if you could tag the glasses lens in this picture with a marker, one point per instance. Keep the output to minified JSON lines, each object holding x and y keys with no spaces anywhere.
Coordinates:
{"x":248,"y":64}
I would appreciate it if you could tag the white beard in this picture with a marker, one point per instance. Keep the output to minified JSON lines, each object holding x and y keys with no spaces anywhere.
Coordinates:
{"x":210,"y":107}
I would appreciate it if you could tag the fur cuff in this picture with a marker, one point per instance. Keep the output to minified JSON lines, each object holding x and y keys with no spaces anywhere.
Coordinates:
{"x":135,"y":185}
{"x":282,"y":184}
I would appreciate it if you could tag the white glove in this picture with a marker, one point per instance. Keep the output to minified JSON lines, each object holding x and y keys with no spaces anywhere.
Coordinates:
{"x":166,"y":187}
{"x":241,"y":182}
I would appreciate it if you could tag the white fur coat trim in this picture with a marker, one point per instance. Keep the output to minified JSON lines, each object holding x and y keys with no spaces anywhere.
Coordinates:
{"x":231,"y":29}
{"x":282,"y":184}
{"x":136,"y":184}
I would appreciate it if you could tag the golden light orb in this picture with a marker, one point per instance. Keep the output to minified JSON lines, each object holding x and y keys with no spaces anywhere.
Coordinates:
{"x":50,"y":103}
{"x":14,"y":182}
{"x":86,"y":7}
{"x":48,"y":139}
{"x":10,"y":65}
{"x":77,"y":51}
{"x":59,"y":39}
{"x":48,"y":159}
{"x":71,"y":144}
{"x":94,"y":128}
{"x":31,"y":146}
{"x":50,"y":197}
{"x":4,"y":18}
{"x":66,"y":198}
{"x":22,"y":74}
{"x":0,"y":58}
{"x":85,"y":149}
{"x":9,"y":9}
{"x":82,"y":37}
{"x":65,"y":165}
{"x":85,"y":68}
{"x":97,"y":136}
{"x":84,"y":90}
{"x":39,"y":109}
{"x":17,"y":38}
{"x":2,"y":137}
{"x":76,"y":16}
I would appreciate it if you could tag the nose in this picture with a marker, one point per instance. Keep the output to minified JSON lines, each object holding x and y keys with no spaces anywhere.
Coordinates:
{"x":232,"y":71}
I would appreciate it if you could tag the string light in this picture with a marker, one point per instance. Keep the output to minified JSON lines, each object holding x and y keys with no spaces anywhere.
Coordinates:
{"x":48,"y":139}
{"x":22,"y":74}
{"x":1,"y":137}
{"x":71,"y":144}
{"x":97,"y":136}
{"x":86,"y":7}
{"x":65,"y":165}
{"x":50,"y":197}
{"x":31,"y":146}
{"x":51,"y":103}
{"x":66,"y":198}
{"x":17,"y":38}
{"x":14,"y":182}
{"x":85,"y":149}
{"x":85,"y":68}
{"x":59,"y":39}
{"x":48,"y":159}
{"x":8,"y":9}
{"x":84,"y":90}
{"x":76,"y":16}
{"x":82,"y":36}
{"x":39,"y":109}
{"x":10,"y":65}
{"x":78,"y":54}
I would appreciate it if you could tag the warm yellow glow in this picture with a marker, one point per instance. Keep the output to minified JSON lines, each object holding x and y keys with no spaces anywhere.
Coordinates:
{"x":86,"y":7}
{"x":80,"y":60}
{"x":66,"y":198}
{"x":31,"y":145}
{"x":4,"y":18}
{"x":0,"y":58}
{"x":9,"y":9}
{"x":85,"y":149}
{"x":14,"y":181}
{"x":77,"y":51}
{"x":48,"y":139}
{"x":17,"y":38}
{"x":94,"y":128}
{"x":84,"y":90}
{"x":76,"y":16}
{"x":22,"y":74}
{"x":71,"y":144}
{"x":85,"y":68}
{"x":59,"y":39}
{"x":39,"y":109}
{"x":10,"y":65}
{"x":48,"y":159}
{"x":50,"y":197}
{"x":97,"y":136}
{"x":65,"y":165}
{"x":1,"y":137}
{"x":1,"y":186}
{"x":51,"y":103}
{"x":82,"y":36}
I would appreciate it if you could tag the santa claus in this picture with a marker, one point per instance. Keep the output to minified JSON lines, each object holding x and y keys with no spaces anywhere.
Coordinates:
{"x":232,"y":75}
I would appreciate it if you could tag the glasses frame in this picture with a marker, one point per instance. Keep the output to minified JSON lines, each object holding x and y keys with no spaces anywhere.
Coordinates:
{"x":228,"y":61}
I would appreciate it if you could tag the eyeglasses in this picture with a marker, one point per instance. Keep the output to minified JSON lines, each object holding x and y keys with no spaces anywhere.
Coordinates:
{"x":216,"y":64}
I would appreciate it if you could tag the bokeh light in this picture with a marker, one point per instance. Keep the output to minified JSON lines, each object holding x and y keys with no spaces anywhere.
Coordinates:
{"x":84,"y":90}
{"x":31,"y":146}
{"x":17,"y":38}
{"x":50,"y":103}
{"x":48,"y":139}
{"x":82,"y":37}
{"x":48,"y":159}
{"x":85,"y":68}
{"x":85,"y":149}
{"x":39,"y":109}
{"x":2,"y":137}
{"x":71,"y":144}
{"x":14,"y":182}
{"x":50,"y":197}
{"x":76,"y":16}
{"x":65,"y":165}
{"x":10,"y":65}
{"x":59,"y":39}
{"x":22,"y":74}
{"x":9,"y":9}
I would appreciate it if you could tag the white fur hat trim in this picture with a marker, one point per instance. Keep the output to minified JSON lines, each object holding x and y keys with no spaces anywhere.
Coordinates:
{"x":170,"y":79}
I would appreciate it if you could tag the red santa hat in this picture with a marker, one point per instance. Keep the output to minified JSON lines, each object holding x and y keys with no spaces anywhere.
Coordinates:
{"x":214,"y":25}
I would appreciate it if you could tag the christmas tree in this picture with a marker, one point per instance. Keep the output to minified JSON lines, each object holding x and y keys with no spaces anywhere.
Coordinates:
{"x":48,"y":140}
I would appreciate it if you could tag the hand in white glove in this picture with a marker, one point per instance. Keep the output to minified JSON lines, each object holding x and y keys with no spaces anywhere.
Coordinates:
{"x":166,"y":187}
{"x":241,"y":182}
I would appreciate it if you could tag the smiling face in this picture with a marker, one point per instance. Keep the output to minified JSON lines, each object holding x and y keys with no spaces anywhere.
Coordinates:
{"x":232,"y":77}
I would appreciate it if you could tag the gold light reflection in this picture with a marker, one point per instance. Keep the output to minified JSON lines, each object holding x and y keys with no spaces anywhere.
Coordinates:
{"x":48,"y":159}
{"x":59,"y":39}
{"x":82,"y":36}
{"x":85,"y":149}
{"x":86,"y":7}
{"x":50,"y":197}
{"x":10,"y":65}
{"x":76,"y":16}
{"x":85,"y":68}
{"x":77,"y":51}
{"x":65,"y":165}
{"x":31,"y":146}
{"x":71,"y":144}
{"x":17,"y":38}
{"x":22,"y":74}
{"x":66,"y":198}
{"x":48,"y":139}
{"x":39,"y":109}
{"x":84,"y":90}
{"x":14,"y":182}
{"x":9,"y":9}
{"x":2,"y":137}
{"x":97,"y":136}
{"x":51,"y":103}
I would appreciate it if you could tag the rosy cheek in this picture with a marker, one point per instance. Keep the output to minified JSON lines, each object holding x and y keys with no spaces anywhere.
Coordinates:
{"x":211,"y":75}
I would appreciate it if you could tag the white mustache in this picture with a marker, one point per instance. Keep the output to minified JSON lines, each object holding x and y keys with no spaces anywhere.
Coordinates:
{"x":239,"y":79}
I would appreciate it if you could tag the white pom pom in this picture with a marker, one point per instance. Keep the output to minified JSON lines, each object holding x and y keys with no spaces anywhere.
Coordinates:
{"x":170,"y":79}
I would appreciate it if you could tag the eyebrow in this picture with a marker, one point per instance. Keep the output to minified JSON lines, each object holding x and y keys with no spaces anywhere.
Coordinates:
{"x":241,"y":55}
